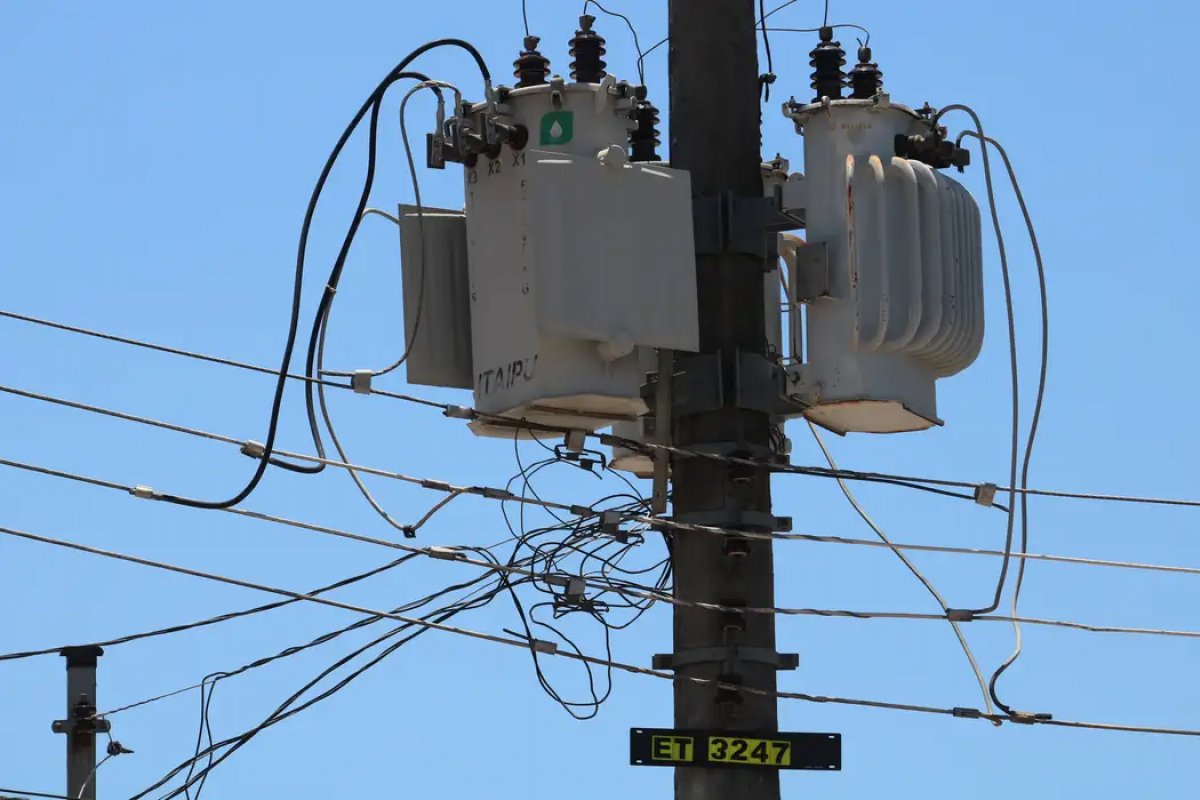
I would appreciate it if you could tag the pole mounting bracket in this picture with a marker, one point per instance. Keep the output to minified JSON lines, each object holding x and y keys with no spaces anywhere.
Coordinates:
{"x":729,"y":223}
{"x":729,"y":655}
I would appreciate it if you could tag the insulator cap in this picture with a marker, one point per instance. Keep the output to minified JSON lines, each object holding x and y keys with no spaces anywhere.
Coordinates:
{"x":587,"y":50}
{"x":531,"y":67}
{"x":643,"y":140}
{"x":828,"y":58}
{"x":866,"y":79}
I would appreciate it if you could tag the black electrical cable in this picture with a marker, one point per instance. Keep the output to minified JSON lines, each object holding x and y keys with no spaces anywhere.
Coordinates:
{"x":769,"y":77}
{"x":637,"y":44}
{"x":835,"y":27}
{"x":236,"y":742}
{"x":293,"y":325}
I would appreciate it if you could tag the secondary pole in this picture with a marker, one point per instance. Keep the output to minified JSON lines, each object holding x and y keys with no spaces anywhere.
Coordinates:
{"x":715,"y":135}
{"x":81,"y":725}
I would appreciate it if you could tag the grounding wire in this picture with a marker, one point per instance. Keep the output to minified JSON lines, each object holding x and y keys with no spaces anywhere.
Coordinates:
{"x":960,"y":713}
{"x":862,"y":512}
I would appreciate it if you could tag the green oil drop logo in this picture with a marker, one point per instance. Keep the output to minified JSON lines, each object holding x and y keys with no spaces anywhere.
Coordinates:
{"x":558,"y":127}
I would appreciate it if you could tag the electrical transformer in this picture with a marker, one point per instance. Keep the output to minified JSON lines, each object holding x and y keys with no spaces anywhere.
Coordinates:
{"x":577,"y":256}
{"x":891,"y":266}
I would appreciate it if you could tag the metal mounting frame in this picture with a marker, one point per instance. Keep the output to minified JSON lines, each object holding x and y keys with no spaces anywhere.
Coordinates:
{"x":729,"y":654}
{"x":728,"y":223}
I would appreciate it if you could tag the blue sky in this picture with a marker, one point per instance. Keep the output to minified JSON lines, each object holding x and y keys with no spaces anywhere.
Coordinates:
{"x":157,"y":159}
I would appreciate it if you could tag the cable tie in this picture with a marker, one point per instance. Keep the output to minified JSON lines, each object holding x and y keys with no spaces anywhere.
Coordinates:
{"x":444,"y":553}
{"x":459,"y":412}
{"x":144,"y":492}
{"x":985,"y":494}
{"x":967,"y":713}
{"x":253,"y":449}
{"x":360,"y":381}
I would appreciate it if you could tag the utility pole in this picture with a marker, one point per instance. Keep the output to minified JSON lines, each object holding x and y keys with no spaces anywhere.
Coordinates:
{"x":81,"y":725}
{"x":715,"y":135}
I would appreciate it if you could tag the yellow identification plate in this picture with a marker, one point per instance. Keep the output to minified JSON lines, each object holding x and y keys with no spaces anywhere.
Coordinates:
{"x":763,"y":752}
{"x":665,"y":747}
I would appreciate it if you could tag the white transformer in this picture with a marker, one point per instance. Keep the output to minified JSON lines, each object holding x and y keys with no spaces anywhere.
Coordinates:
{"x":575,"y":256}
{"x":891,"y":270}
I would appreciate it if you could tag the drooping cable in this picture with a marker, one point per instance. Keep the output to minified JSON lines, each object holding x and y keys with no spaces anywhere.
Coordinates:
{"x":297,"y":290}
{"x":1012,"y":354}
{"x":961,"y":713}
{"x":1037,"y":406}
{"x":862,"y":512}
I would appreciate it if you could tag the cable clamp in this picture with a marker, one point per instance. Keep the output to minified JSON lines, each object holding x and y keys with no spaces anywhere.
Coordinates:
{"x":543,"y":646}
{"x":581,"y":511}
{"x":440,"y":486}
{"x":960,"y":615}
{"x":493,"y":494}
{"x":144,"y":492}
{"x":253,"y":449}
{"x":558,"y":580}
{"x":610,"y":524}
{"x":967,"y":713}
{"x":1028,"y":717}
{"x":444,"y":553}
{"x":459,"y":412}
{"x":985,"y":494}
{"x":360,"y":381}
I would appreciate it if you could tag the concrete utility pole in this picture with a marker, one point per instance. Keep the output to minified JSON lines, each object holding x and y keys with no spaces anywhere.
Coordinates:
{"x":715,"y":135}
{"x":81,"y":726}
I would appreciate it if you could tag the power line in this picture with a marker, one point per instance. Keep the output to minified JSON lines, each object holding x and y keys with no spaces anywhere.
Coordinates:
{"x":609,"y":439}
{"x":961,"y":713}
{"x":667,"y":524}
{"x":449,"y":554}
{"x":211,"y":620}
{"x":27,"y":793}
